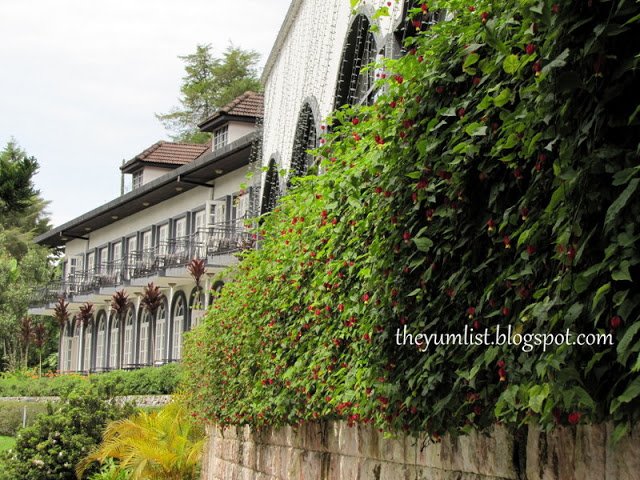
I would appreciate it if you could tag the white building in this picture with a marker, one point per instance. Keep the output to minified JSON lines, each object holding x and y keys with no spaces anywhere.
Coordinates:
{"x":315,"y":67}
{"x":187,"y":202}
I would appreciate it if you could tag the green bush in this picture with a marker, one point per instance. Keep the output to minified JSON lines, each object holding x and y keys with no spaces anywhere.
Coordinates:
{"x":59,"y":438}
{"x":11,"y":415}
{"x":146,"y":381}
{"x":494,"y":183}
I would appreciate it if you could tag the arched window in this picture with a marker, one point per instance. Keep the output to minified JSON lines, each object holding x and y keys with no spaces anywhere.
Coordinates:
{"x":196,"y":306}
{"x":114,"y":342}
{"x":145,"y":334}
{"x":271,"y":188}
{"x":410,"y":27}
{"x":127,"y":347}
{"x":305,"y":139}
{"x":355,"y":84}
{"x":161,"y":325}
{"x":87,"y":364}
{"x":178,"y":327}
{"x":101,"y":342}
{"x":68,"y":347}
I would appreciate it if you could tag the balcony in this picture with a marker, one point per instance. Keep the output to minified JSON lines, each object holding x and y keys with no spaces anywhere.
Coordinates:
{"x":216,"y":244}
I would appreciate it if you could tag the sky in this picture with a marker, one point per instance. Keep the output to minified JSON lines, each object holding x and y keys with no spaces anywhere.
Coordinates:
{"x":80,"y":81}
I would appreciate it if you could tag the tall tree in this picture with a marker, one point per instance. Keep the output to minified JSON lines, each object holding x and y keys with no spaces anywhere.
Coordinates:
{"x":209,"y":83}
{"x":23,"y":265}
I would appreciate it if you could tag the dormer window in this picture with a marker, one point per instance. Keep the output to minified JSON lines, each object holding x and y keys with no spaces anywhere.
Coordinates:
{"x":220,"y":137}
{"x":136,"y":180}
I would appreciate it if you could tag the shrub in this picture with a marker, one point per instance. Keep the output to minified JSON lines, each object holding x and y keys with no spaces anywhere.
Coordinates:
{"x":146,"y":381}
{"x":51,"y":447}
{"x":493,"y":184}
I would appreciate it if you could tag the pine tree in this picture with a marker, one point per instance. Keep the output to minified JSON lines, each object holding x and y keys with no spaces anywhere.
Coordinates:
{"x":209,"y":83}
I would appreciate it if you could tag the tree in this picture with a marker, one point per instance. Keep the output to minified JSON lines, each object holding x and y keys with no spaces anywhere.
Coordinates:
{"x":209,"y":84}
{"x":23,"y":265}
{"x":166,"y":444}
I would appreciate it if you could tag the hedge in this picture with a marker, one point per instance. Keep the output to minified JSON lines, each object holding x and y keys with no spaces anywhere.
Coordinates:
{"x":145,"y":381}
{"x":492,"y":184}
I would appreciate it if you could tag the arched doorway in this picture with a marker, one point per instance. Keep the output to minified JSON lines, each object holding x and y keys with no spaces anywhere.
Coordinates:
{"x":178,"y":323}
{"x":159,"y":355}
{"x":128,"y":343}
{"x":101,"y":341}
{"x":87,"y":360}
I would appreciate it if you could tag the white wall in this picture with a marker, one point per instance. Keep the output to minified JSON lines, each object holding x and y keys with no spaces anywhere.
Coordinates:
{"x":151,"y":173}
{"x":307,"y":66}
{"x":238,"y":130}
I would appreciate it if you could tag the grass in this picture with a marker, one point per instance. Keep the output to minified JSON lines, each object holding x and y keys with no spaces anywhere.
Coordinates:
{"x":6,"y":443}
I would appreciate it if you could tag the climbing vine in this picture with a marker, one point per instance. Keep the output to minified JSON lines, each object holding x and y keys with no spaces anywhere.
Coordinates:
{"x":493,"y":184}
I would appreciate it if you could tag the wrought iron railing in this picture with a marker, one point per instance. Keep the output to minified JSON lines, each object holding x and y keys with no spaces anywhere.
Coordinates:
{"x":221,"y":239}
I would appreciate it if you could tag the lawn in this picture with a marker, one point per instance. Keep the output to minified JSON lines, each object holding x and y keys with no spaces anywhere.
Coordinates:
{"x":6,"y":443}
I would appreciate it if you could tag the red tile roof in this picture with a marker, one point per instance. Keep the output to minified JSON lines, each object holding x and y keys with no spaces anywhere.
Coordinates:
{"x":169,"y":154}
{"x":249,"y":104}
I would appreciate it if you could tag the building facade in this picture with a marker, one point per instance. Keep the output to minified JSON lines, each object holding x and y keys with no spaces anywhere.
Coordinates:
{"x":187,"y":202}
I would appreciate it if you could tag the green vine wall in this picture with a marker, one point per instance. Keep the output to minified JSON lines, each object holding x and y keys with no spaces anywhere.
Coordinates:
{"x":494,"y":182}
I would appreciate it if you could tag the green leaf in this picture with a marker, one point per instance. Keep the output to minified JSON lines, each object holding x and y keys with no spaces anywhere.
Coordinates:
{"x":620,"y":202}
{"x":476,"y":129}
{"x":502,"y":98}
{"x":424,"y":244}
{"x":622,"y":274}
{"x":623,"y":347}
{"x":631,"y":392}
{"x":599,"y":294}
{"x":619,"y":432}
{"x":559,"y":61}
{"x":511,"y":64}
{"x":471,"y":59}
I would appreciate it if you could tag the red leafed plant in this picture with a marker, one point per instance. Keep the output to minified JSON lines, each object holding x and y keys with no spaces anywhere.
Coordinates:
{"x":152,"y":298}
{"x":61,"y":312}
{"x":197,"y":269}
{"x":84,"y":315}
{"x":119,"y":302}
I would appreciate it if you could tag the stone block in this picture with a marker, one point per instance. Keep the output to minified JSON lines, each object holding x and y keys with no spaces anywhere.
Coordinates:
{"x":347,"y":440}
{"x":368,"y":442}
{"x":392,"y":449}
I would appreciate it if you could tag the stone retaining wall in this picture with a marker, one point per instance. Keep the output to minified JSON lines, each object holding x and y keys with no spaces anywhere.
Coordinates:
{"x":335,"y":451}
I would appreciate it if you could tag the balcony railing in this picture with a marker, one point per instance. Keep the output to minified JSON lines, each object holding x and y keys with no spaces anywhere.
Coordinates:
{"x":222,"y":239}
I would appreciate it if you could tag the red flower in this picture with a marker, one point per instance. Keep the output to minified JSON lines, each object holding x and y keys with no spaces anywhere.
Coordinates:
{"x":417,"y":24}
{"x":477,"y":325}
{"x":502,"y":374}
{"x":476,"y":80}
{"x":507,"y":241}
{"x":406,"y":236}
{"x":531,"y":249}
{"x":530,"y":48}
{"x":355,"y":120}
{"x":471,"y":311}
{"x":429,"y":215}
{"x":536,"y":67}
{"x":379,"y":140}
{"x":506,"y":311}
{"x":471,"y":8}
{"x":424,"y":7}
{"x":524,"y":213}
{"x":461,"y":112}
{"x":615,"y":322}
{"x":439,"y":90}
{"x":323,"y":214}
{"x":356,"y":137}
{"x":365,"y":298}
{"x":393,"y":104}
{"x":399,"y":78}
{"x":491,"y":225}
{"x":574,"y":418}
{"x":500,"y":364}
{"x":555,"y":8}
{"x":484,"y":16}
